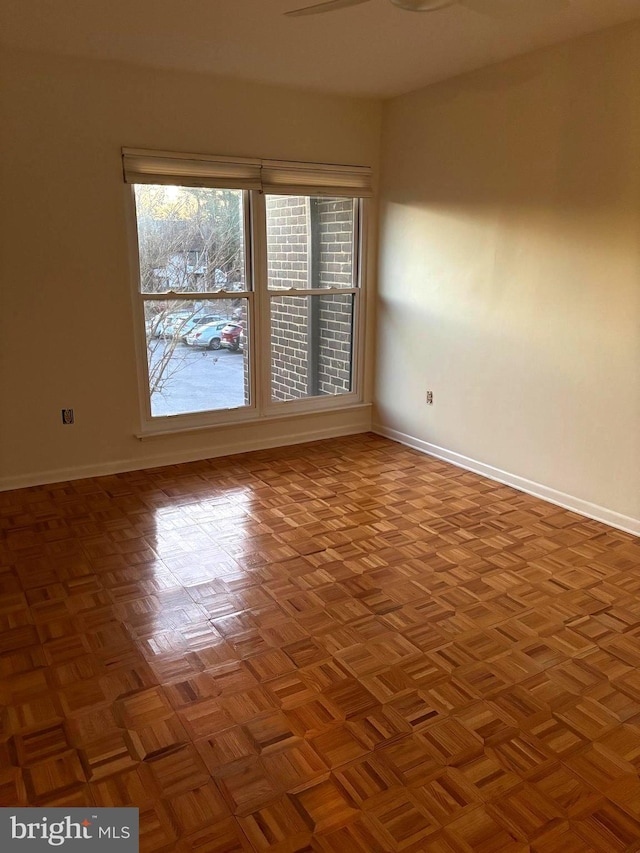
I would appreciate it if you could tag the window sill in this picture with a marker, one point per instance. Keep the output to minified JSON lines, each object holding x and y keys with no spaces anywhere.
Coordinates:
{"x":144,"y":435}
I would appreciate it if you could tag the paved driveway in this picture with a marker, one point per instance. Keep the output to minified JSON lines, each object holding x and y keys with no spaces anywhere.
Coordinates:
{"x":199,"y":381}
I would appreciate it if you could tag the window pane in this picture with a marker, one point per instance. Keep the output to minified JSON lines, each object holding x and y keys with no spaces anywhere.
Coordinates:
{"x":197,"y":355}
{"x":309,"y":242}
{"x":311,"y":346}
{"x":190,"y":239}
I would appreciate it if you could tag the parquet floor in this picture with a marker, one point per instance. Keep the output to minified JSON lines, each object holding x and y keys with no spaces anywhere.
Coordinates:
{"x":343,"y":646}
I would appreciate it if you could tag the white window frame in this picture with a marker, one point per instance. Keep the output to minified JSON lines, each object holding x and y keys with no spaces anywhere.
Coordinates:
{"x":324,"y":402}
{"x":261,"y":406}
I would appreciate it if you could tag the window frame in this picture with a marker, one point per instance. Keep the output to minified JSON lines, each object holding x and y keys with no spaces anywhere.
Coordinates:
{"x":261,"y":407}
{"x":321,"y":402}
{"x":189,"y":420}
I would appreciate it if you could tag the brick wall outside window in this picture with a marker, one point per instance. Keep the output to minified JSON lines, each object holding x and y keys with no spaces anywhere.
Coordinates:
{"x":296,"y":228}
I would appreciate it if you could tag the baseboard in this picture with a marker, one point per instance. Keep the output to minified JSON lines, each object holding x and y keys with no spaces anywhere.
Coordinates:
{"x":590,"y":510}
{"x":59,"y":475}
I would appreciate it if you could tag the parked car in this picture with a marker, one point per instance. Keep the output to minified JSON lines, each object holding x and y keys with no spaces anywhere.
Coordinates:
{"x":158,"y":326}
{"x":230,"y":336}
{"x":180,"y":326}
{"x":207,"y":335}
{"x":193,"y":323}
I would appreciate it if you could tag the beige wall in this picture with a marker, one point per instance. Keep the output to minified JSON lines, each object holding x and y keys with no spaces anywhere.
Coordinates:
{"x":66,"y":334}
{"x":510,"y":268}
{"x":510,"y":259}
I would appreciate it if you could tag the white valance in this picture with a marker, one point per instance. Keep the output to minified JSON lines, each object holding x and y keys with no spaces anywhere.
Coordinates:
{"x":189,"y":170}
{"x":276,"y":177}
{"x":283,"y":178}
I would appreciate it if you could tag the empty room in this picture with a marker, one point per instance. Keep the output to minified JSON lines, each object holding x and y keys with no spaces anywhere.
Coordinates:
{"x":320,"y":435}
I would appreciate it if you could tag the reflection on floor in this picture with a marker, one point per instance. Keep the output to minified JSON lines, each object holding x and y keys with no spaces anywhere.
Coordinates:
{"x":343,"y":646}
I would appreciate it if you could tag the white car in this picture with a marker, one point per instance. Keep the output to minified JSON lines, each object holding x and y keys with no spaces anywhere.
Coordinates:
{"x":209,"y":335}
{"x":162,"y":325}
{"x":192,"y":324}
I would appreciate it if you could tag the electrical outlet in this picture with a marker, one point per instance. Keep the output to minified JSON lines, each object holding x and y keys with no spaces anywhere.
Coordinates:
{"x":67,"y":417}
{"x":429,"y":398}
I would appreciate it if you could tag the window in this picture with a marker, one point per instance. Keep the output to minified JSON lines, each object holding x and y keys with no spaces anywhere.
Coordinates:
{"x":248,"y":293}
{"x":192,"y":253}
{"x":310,"y":256}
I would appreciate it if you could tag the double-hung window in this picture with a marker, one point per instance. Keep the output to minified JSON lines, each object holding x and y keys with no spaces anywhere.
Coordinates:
{"x":248,"y":296}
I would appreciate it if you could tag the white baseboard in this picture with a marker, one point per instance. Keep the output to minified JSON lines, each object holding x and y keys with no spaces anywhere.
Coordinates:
{"x":590,"y":510}
{"x":228,"y":448}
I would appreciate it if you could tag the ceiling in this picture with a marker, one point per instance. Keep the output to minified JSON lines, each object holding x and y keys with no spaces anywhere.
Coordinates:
{"x":374,"y":50}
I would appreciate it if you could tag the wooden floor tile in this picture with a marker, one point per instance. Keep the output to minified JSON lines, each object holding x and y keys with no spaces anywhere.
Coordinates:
{"x":48,"y":779}
{"x":339,"y":647}
{"x":246,"y":785}
{"x":401,"y":820}
{"x":609,"y":828}
{"x":278,"y":827}
{"x":323,"y":805}
{"x":448,"y":795}
{"x":198,"y":808}
{"x":478,"y":830}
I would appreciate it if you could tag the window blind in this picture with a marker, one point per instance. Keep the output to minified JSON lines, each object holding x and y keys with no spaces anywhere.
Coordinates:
{"x":283,"y":178}
{"x":190,"y":170}
{"x":276,"y":177}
